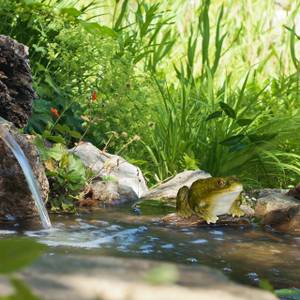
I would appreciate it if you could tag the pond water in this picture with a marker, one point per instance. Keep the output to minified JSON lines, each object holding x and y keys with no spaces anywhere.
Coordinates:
{"x":246,"y":255}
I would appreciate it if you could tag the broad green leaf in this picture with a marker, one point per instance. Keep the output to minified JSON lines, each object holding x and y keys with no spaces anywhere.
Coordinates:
{"x":233,"y":140}
{"x":244,"y":122}
{"x":214,"y":115}
{"x":95,"y":28}
{"x":23,"y":292}
{"x":229,"y":111}
{"x":262,"y":137}
{"x":56,"y":152}
{"x":71,"y":11}
{"x":53,"y":138}
{"x":16,"y":253}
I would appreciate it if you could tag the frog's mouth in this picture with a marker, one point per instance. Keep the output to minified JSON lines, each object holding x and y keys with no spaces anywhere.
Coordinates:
{"x":223,"y":199}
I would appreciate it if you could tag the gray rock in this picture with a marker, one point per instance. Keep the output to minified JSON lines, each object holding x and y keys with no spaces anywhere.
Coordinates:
{"x":168,"y":190}
{"x":119,"y":179}
{"x":15,"y":197}
{"x":59,"y":277}
{"x":279,"y":211}
{"x":260,"y":193}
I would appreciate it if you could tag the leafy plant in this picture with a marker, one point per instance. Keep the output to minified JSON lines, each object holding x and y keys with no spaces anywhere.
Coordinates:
{"x":66,"y":173}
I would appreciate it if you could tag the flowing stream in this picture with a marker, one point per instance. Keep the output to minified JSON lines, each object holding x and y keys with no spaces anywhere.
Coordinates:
{"x":247,"y":255}
{"x":29,"y":176}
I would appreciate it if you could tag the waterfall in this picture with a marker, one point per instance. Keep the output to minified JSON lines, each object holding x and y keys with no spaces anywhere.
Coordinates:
{"x":26,"y":168}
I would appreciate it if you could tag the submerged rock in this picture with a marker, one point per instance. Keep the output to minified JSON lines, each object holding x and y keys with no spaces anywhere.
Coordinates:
{"x":109,"y":278}
{"x":169,"y":189}
{"x":16,"y":93}
{"x":279,"y":211}
{"x":116,"y":180}
{"x":16,"y":201}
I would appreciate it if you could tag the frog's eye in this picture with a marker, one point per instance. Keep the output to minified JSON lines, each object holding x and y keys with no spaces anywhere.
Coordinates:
{"x":221,"y":182}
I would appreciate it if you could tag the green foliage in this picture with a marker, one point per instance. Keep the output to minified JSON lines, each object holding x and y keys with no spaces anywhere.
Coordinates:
{"x":22,"y":291}
{"x":246,"y":128}
{"x":15,"y":254}
{"x":214,"y":93}
{"x":66,"y":173}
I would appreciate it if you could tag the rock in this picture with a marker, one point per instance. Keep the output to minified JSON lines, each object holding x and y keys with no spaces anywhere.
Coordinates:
{"x":15,"y":197}
{"x":295,"y":192}
{"x":260,"y":193}
{"x":168,"y":190}
{"x":279,"y":211}
{"x":58,"y":277}
{"x":105,"y":192}
{"x":16,"y":93}
{"x":6,"y":288}
{"x":194,"y":221}
{"x":116,"y":180}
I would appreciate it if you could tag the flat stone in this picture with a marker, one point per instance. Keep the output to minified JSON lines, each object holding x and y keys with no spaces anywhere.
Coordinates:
{"x":168,"y":190}
{"x":59,"y":277}
{"x":194,"y":221}
{"x":279,"y":211}
{"x":115,"y":179}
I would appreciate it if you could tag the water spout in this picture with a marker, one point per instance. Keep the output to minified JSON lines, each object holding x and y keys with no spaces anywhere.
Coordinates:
{"x":9,"y":140}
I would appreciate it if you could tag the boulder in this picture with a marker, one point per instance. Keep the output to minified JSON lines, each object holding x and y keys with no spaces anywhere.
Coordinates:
{"x":116,"y":180}
{"x":16,"y":93}
{"x":15,"y":197}
{"x":279,"y":211}
{"x":111,"y":278}
{"x":168,"y":190}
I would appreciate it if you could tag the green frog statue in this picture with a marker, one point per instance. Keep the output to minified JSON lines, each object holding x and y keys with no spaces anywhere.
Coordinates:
{"x":209,"y":198}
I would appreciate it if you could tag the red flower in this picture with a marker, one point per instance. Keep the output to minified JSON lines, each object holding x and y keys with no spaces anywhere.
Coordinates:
{"x":54,"y":112}
{"x":94,"y":96}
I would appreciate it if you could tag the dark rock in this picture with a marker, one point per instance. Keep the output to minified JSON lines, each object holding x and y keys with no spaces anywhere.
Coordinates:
{"x":295,"y":192}
{"x":16,"y":93}
{"x":286,"y":220}
{"x":279,"y":211}
{"x":15,"y":198}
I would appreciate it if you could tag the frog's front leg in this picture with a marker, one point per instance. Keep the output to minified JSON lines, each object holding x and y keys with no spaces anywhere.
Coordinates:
{"x":235,"y":209}
{"x":206,"y":213}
